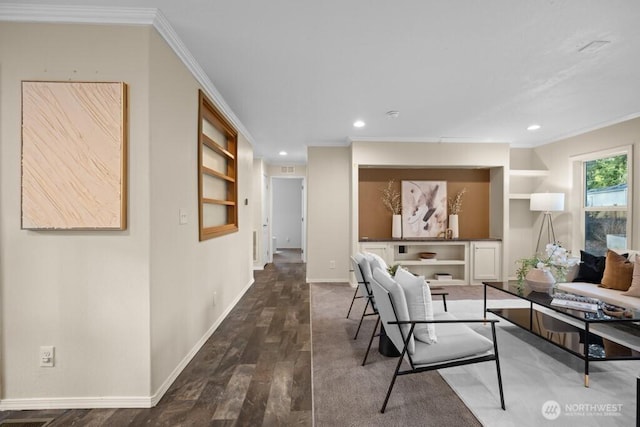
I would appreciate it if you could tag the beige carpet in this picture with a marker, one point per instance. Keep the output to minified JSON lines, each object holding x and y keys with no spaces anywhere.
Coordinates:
{"x":348,"y":394}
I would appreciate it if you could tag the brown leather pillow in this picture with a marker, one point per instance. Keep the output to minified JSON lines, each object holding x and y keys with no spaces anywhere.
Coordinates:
{"x":634,"y":289}
{"x":618,"y":272}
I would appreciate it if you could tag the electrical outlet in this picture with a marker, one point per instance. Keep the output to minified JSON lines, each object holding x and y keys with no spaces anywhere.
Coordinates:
{"x":332,"y":264}
{"x":47,"y":356}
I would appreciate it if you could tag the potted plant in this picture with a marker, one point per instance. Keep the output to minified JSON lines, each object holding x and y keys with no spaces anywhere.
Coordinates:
{"x":393,"y":202}
{"x":541,"y":272}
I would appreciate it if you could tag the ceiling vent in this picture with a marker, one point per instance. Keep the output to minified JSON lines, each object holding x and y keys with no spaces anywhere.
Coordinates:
{"x":288,"y":170}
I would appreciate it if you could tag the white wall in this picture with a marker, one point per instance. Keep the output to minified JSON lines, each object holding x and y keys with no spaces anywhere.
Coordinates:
{"x":124,"y":309}
{"x":328,"y":213}
{"x":86,"y":293}
{"x":556,"y":157}
{"x":287,"y":212}
{"x":191,"y":281}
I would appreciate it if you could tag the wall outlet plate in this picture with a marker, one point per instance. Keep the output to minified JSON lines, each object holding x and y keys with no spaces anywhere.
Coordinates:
{"x":47,"y":356}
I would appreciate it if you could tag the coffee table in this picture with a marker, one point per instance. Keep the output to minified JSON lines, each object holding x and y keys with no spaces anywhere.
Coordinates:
{"x":592,"y":337}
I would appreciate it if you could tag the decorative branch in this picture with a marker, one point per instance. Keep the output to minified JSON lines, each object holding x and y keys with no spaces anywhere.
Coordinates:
{"x":391,"y":199}
{"x":455,"y":203}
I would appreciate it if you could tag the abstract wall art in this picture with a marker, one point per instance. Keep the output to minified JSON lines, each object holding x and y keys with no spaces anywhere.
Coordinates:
{"x":74,"y":155}
{"x":424,"y":208}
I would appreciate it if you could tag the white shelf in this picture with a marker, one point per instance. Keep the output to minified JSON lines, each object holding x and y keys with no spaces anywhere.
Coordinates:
{"x":437,"y":262}
{"x":520,"y":196}
{"x":528,"y":172}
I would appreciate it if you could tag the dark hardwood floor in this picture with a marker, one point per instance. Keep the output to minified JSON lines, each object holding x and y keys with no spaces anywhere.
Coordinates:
{"x":254,"y":370}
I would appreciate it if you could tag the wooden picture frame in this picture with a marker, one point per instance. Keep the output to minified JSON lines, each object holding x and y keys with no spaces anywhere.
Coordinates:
{"x":74,"y":155}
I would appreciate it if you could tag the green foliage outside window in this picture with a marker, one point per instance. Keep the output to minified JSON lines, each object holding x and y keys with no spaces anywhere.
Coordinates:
{"x":607,"y":172}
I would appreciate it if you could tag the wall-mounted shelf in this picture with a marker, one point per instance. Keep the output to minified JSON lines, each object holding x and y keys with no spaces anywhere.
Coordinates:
{"x":528,"y":172}
{"x":521,"y":180}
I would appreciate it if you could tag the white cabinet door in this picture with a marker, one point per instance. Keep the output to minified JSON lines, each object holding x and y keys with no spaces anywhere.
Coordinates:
{"x":378,"y":249}
{"x":485,"y":261}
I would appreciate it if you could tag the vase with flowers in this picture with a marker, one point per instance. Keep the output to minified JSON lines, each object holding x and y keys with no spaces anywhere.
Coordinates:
{"x":393,"y":202}
{"x":541,"y":272}
{"x":455,"y":207}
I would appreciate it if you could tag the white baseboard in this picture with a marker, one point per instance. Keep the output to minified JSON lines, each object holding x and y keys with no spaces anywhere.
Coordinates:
{"x":185,"y":361}
{"x":310,"y":280}
{"x":120,"y":401}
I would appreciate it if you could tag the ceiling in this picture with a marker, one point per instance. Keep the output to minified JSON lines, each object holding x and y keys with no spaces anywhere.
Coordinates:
{"x":298,"y":73}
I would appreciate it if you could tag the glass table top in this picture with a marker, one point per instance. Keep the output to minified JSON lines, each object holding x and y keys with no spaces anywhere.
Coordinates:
{"x":605,"y":312}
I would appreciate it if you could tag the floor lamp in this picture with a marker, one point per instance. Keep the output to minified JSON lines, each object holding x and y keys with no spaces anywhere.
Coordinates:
{"x":547,"y":203}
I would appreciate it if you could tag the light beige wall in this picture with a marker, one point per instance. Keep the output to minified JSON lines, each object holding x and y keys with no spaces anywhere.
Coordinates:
{"x":276,"y":170}
{"x":556,"y":157}
{"x":258,"y":208}
{"x":328,"y":213}
{"x":192,"y":282}
{"x":86,"y":293}
{"x":125,"y":310}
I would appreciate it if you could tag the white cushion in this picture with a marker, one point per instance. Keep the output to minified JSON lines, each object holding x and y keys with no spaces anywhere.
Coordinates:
{"x":456,"y":341}
{"x":418,"y":296}
{"x":611,"y":296}
{"x":383,"y":278}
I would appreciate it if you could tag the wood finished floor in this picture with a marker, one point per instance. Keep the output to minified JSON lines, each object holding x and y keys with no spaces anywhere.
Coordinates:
{"x":254,"y":370}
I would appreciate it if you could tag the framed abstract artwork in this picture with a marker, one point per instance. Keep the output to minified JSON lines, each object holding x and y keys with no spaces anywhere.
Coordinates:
{"x":74,"y":155}
{"x":424,"y":208}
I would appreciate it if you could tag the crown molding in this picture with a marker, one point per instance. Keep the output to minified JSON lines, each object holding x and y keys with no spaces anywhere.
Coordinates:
{"x":76,"y":14}
{"x":440,"y":140}
{"x":125,"y":16}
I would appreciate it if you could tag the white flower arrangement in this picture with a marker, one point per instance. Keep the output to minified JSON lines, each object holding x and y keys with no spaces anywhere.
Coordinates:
{"x":557,"y":261}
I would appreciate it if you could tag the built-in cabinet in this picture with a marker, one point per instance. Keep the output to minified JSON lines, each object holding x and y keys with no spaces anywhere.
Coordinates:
{"x":485,"y":261}
{"x":464,"y":261}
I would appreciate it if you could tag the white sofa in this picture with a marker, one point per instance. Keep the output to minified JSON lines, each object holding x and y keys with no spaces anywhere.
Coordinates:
{"x":610,"y":296}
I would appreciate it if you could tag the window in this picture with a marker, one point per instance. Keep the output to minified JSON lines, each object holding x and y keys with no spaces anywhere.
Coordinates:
{"x":606,"y":201}
{"x":217,"y":172}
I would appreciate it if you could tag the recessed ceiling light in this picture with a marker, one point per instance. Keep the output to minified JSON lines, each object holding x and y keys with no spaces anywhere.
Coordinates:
{"x":283,"y":153}
{"x":534,"y":127}
{"x":358,"y":124}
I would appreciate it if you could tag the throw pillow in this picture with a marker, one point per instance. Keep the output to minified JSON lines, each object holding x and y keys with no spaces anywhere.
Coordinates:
{"x":399,"y":304}
{"x":618,"y":272}
{"x":634,"y":289}
{"x":418,"y":296}
{"x":591,"y":268}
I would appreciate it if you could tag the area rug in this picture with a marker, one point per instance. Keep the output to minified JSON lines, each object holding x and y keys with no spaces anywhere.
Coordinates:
{"x":534,"y":372}
{"x":543,"y":385}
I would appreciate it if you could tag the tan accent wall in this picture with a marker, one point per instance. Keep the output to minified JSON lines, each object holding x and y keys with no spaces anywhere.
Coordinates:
{"x":375,"y":221}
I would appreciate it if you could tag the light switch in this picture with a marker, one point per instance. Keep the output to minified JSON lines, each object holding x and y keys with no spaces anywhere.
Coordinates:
{"x":184,"y":218}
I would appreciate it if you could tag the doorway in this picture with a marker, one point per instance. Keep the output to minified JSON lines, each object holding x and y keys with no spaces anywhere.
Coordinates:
{"x":288,"y":233}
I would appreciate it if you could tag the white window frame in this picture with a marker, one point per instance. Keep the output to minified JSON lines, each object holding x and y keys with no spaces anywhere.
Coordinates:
{"x":580,"y":167}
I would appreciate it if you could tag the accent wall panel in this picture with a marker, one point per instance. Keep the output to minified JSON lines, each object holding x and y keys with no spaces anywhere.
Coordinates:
{"x":74,"y":155}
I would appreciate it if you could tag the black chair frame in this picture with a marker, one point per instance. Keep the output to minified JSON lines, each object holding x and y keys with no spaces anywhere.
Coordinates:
{"x":446,"y":364}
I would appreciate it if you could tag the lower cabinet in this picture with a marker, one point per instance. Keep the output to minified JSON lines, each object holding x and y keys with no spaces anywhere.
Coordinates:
{"x":447,"y":262}
{"x":485,"y":261}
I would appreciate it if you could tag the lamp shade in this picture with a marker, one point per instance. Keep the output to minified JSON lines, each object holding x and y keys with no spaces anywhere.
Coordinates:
{"x":547,"y":202}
